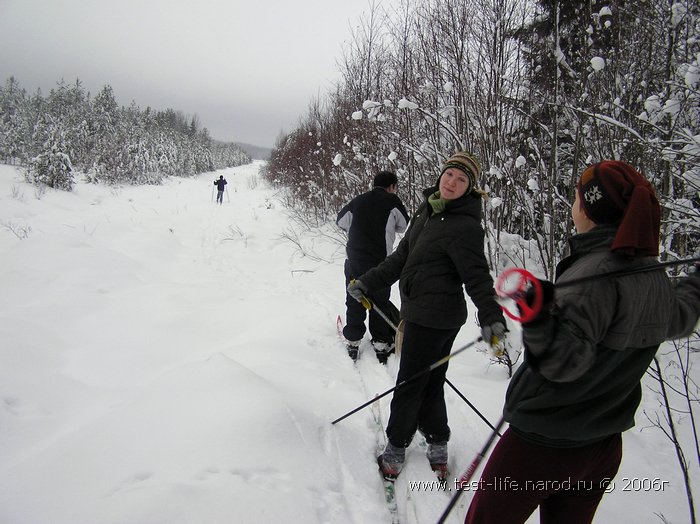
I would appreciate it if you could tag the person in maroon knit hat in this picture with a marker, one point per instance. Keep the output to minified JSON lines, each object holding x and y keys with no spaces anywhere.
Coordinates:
{"x":585,"y":354}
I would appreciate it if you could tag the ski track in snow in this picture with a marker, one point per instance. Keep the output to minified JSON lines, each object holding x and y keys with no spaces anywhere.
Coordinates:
{"x":165,"y":359}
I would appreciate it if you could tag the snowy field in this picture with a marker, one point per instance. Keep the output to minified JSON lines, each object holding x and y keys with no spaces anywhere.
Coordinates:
{"x":167,"y":360}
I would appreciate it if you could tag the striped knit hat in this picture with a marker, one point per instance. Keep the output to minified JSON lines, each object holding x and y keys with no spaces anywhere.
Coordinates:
{"x":466,"y":163}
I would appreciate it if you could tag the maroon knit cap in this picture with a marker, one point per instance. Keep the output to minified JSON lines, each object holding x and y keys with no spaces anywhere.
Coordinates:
{"x":613,"y":192}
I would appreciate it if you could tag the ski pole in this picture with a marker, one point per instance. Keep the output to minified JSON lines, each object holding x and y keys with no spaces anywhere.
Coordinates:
{"x":469,"y":473}
{"x":212,"y":194}
{"x":625,"y":272}
{"x":410,"y":379}
{"x":368,"y":304}
{"x":528,"y":312}
{"x":471,"y":405}
{"x":518,"y":296}
{"x":228,"y":199}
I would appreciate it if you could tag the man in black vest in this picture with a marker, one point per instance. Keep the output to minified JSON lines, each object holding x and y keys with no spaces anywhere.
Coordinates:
{"x":371,"y":221}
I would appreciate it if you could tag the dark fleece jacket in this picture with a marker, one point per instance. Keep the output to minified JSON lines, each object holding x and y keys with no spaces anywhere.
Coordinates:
{"x":439,"y":254}
{"x":583,"y":363}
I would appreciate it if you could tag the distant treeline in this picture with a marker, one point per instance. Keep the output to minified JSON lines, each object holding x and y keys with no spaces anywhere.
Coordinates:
{"x":69,"y":131}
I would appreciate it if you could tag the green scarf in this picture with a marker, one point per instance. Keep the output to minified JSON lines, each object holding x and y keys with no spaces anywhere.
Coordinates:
{"x":438,"y":204}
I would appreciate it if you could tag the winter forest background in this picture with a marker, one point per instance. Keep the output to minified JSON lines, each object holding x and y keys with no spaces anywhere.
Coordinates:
{"x":536,"y":89}
{"x":69,"y":132}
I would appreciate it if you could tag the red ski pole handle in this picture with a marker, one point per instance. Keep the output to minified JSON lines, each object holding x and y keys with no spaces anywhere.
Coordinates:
{"x":512,"y":284}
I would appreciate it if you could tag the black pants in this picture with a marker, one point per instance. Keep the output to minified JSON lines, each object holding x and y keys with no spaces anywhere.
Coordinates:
{"x":420,"y":404}
{"x":356,"y":313}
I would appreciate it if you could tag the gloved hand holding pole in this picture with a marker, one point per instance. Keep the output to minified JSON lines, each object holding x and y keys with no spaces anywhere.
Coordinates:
{"x":357,"y":290}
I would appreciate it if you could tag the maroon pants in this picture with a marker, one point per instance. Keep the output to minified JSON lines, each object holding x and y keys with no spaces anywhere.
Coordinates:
{"x":566,"y":483}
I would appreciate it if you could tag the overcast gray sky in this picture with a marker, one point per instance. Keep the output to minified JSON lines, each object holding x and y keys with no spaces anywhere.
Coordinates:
{"x":248,"y":69}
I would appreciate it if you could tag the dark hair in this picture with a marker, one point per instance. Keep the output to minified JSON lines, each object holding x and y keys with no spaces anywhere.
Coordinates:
{"x":385,"y":179}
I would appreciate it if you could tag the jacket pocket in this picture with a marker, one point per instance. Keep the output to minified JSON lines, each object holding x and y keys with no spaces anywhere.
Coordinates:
{"x":408,"y":284}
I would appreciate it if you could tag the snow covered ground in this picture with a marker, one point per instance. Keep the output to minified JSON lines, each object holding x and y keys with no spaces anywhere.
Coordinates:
{"x":167,"y":360}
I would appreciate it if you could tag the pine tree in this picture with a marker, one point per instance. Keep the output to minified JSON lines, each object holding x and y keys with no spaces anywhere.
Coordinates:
{"x":53,"y":167}
{"x":12,"y":122}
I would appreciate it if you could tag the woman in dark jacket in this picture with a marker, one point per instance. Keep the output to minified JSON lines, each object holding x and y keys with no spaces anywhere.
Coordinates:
{"x":585,"y":355}
{"x":441,"y":254}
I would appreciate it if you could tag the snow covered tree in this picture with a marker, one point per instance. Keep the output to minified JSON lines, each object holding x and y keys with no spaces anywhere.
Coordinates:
{"x":108,"y":143}
{"x":69,"y":105}
{"x":53,"y":167}
{"x":13,"y":123}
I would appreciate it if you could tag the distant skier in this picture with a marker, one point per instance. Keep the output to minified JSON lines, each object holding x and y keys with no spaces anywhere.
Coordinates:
{"x":220,"y":186}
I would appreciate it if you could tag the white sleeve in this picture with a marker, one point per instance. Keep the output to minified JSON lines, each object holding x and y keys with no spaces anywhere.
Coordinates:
{"x":345,"y":221}
{"x":396,"y":223}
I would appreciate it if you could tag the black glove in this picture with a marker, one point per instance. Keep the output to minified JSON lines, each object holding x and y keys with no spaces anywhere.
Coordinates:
{"x":357,"y":290}
{"x":495,"y":335}
{"x":547,"y":300}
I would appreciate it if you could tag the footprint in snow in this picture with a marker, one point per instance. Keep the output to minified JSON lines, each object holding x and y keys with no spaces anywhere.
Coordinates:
{"x":266,"y":478}
{"x":132,"y":482}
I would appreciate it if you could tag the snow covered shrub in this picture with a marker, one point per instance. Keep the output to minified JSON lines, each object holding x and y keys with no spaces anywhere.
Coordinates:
{"x":252,"y":182}
{"x":52,"y":168}
{"x":152,"y":178}
{"x":21,"y":232}
{"x":17,"y":193}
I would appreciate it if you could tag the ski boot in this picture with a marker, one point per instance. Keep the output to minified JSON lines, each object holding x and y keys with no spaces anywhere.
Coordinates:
{"x":353,"y":347}
{"x":391,"y":461}
{"x":383,"y":350}
{"x":437,"y":456}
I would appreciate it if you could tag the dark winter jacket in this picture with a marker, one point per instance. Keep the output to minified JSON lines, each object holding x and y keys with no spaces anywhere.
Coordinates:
{"x":372,"y":220}
{"x":220,"y":184}
{"x":583,"y":364}
{"x":440,"y":254}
